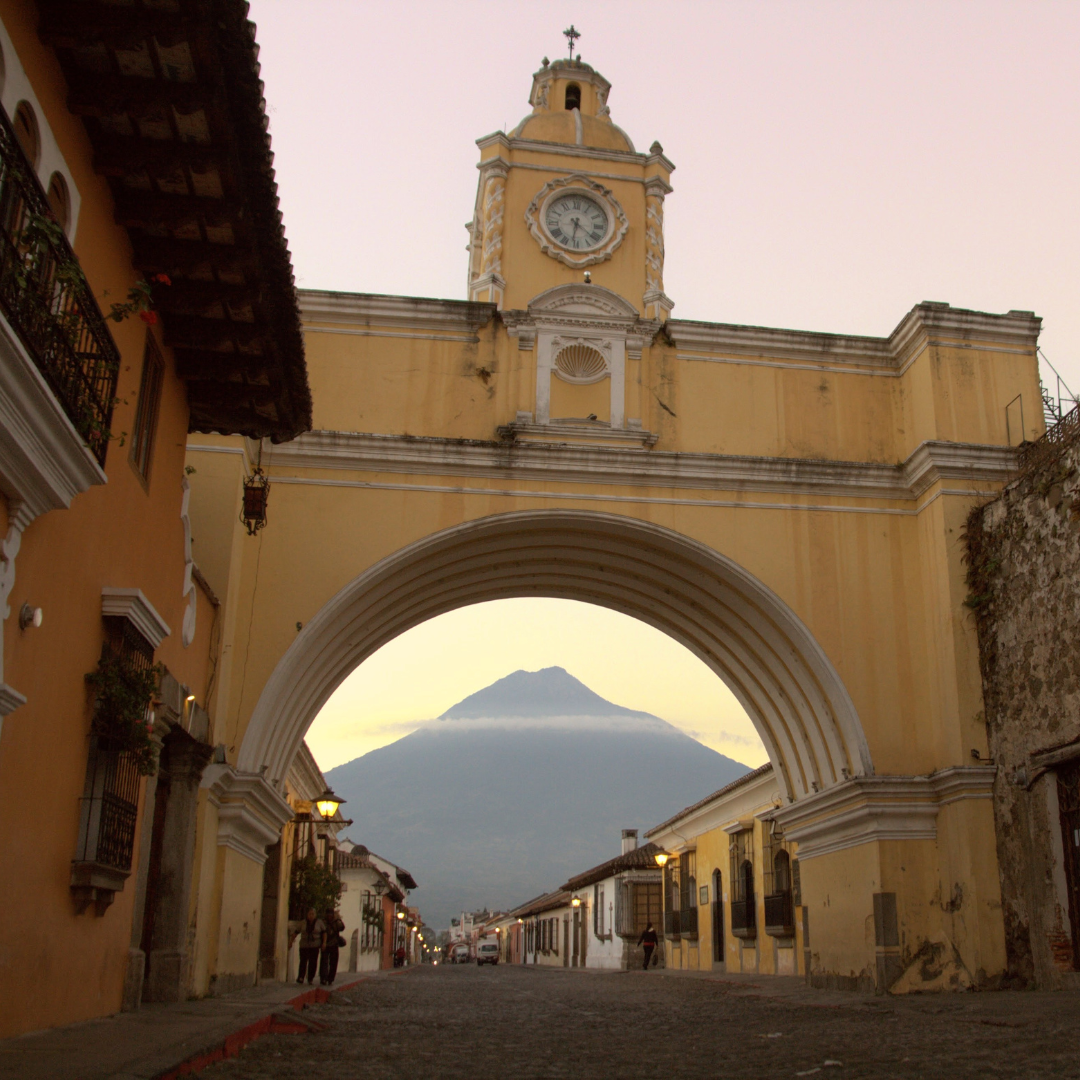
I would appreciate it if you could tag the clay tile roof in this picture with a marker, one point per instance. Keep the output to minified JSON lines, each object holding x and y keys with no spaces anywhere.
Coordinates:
{"x":172,"y":100}
{"x":640,"y":858}
{"x":557,"y":899}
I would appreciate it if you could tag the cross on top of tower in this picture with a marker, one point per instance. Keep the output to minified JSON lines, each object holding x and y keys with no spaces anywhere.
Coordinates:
{"x":572,"y":35}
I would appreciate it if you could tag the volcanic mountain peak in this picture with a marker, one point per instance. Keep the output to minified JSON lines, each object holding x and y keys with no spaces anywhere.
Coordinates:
{"x":551,"y":691}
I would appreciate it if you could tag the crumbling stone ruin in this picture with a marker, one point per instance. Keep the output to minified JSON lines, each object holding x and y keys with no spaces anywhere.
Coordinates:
{"x":1024,"y":592}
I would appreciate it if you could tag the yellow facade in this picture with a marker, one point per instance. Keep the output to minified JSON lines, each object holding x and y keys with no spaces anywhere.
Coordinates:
{"x":788,"y":505}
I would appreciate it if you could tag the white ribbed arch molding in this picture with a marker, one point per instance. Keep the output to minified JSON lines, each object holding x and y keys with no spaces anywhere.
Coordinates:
{"x":725,"y":616}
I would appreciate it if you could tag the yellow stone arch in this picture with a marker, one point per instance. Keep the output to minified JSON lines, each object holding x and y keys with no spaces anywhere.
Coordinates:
{"x":732,"y":621}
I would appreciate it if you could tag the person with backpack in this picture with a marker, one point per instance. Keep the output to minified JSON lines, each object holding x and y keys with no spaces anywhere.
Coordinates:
{"x":334,"y":941}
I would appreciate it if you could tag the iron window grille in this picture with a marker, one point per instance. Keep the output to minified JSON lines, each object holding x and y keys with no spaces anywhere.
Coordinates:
{"x":777,"y":874}
{"x":672,"y":898}
{"x":743,"y":900}
{"x":48,"y":302}
{"x":718,"y":916}
{"x":688,"y":922}
{"x":110,"y":802}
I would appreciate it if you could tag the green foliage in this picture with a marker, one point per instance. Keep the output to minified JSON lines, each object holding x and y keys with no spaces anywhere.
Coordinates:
{"x":140,"y":300}
{"x":123,"y":694}
{"x":312,"y":885}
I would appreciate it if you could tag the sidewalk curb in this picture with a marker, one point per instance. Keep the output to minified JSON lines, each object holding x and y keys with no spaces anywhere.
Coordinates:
{"x":220,"y":1049}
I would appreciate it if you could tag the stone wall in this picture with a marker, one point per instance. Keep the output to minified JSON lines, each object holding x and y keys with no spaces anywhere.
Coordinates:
{"x":1024,"y":592}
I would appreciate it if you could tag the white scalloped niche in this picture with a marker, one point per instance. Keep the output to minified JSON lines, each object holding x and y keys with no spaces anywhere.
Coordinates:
{"x":581,"y":364}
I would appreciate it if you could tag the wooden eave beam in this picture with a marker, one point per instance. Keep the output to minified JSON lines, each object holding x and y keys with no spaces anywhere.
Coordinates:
{"x":215,"y":335}
{"x":94,"y":94}
{"x":164,"y":256}
{"x":138,"y":209}
{"x":66,"y":25}
{"x":119,"y":156}
{"x":200,"y":366}
{"x":184,"y":295}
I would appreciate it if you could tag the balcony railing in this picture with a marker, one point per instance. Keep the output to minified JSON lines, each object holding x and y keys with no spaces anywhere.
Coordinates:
{"x":744,"y":918}
{"x":48,"y":302}
{"x":682,"y":923}
{"x":779,"y":915}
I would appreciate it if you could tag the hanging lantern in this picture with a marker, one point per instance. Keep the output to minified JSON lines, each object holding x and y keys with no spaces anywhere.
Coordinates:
{"x":256,"y":492}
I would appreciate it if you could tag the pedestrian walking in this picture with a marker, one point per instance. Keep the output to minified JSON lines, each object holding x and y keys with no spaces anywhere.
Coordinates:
{"x":329,"y":961}
{"x":312,"y":941}
{"x":648,"y":939}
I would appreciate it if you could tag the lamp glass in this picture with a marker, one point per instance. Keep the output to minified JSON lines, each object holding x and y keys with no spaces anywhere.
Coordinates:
{"x":328,"y":804}
{"x":661,"y":858}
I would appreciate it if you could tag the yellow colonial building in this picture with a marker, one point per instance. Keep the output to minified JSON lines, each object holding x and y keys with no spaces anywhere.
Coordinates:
{"x":788,"y":505}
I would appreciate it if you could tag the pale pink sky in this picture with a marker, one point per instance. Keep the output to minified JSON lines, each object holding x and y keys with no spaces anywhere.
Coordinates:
{"x":836,"y":162}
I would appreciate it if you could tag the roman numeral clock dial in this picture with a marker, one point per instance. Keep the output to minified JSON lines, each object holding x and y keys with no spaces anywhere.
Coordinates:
{"x":575,"y":221}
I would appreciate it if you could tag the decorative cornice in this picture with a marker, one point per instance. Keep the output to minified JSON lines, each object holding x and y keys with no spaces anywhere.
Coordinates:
{"x":536,"y":452}
{"x":44,"y":462}
{"x":132,"y":605}
{"x":251,"y":813}
{"x":371,"y":310}
{"x":925,"y":324}
{"x":870,"y":809}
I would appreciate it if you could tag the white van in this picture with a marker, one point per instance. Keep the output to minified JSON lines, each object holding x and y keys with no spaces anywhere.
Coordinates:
{"x":487,"y":952}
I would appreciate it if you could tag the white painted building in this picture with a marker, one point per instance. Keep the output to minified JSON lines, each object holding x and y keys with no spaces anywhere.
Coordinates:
{"x":611,"y":905}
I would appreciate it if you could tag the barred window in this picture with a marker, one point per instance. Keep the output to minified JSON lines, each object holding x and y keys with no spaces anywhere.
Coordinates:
{"x":110,"y":803}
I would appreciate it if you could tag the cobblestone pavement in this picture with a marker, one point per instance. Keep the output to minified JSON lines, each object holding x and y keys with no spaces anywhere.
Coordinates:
{"x":514,"y":1022}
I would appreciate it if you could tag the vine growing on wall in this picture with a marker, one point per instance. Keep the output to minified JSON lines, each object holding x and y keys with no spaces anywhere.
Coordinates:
{"x":122,"y":717}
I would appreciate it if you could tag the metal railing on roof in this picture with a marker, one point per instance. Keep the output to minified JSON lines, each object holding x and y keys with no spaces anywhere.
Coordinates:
{"x":1052,"y":444}
{"x":48,"y":302}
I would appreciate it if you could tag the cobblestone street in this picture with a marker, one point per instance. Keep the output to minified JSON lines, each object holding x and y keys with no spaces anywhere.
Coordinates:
{"x":527,"y":1022}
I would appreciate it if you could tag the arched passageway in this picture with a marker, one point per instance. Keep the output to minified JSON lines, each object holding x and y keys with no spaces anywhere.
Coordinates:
{"x":734,"y":623}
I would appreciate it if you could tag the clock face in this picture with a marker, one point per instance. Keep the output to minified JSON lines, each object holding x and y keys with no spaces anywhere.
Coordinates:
{"x":576,"y":221}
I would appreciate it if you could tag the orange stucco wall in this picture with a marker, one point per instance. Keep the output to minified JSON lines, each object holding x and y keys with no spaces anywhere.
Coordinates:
{"x":122,"y":534}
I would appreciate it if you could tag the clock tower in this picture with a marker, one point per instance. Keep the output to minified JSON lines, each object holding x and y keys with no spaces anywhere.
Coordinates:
{"x":566,"y":192}
{"x":567,"y":241}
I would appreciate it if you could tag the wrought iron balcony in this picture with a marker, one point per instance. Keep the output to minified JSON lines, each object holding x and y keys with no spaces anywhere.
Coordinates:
{"x":47,"y":301}
{"x":744,"y":918}
{"x":779,"y":915}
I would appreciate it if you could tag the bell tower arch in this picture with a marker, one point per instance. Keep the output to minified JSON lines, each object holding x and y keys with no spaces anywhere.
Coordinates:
{"x":567,"y":192}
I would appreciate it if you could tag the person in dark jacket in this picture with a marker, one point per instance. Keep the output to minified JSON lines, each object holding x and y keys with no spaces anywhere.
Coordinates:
{"x":312,"y":940}
{"x":648,"y":939}
{"x":329,"y":961}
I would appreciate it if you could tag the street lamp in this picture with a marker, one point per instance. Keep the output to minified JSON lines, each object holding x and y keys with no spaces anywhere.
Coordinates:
{"x":328,"y":804}
{"x":401,"y":914}
{"x":661,"y":858}
{"x":576,"y":902}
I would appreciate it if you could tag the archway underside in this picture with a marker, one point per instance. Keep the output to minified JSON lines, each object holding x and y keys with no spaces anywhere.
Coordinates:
{"x":727,"y":618}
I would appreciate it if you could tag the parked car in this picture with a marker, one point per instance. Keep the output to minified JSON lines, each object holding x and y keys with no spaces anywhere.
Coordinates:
{"x":487,"y":952}
{"x":459,"y":954}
